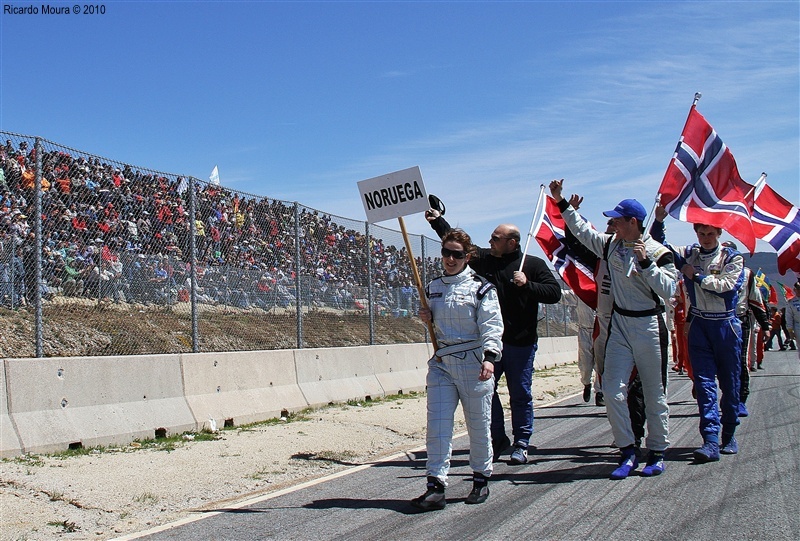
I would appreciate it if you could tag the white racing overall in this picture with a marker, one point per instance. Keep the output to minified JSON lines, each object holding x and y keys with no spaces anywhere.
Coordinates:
{"x":467,"y":323}
{"x":638,"y":335}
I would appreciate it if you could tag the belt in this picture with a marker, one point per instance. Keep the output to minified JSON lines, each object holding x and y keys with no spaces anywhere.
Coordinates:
{"x":639,"y":313}
{"x":452,"y":349}
{"x":712,"y":315}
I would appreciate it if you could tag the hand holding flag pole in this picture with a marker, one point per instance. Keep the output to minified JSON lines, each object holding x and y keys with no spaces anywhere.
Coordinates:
{"x":536,"y":216}
{"x":647,"y":224}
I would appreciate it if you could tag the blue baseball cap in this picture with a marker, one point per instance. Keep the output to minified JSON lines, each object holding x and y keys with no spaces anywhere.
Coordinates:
{"x":627,"y":208}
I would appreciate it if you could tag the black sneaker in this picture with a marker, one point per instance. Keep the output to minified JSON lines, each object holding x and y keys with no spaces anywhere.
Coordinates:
{"x":587,"y":392}
{"x":599,"y":400}
{"x":480,"y":491}
{"x":433,"y":499}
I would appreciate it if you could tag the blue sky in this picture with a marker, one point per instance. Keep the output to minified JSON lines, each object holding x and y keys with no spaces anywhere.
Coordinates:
{"x":301,"y":100}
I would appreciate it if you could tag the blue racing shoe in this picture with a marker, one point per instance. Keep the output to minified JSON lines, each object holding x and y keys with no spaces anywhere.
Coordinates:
{"x":709,"y":452}
{"x":729,"y":446}
{"x":655,"y":464}
{"x":627,"y":464}
{"x":743,"y":410}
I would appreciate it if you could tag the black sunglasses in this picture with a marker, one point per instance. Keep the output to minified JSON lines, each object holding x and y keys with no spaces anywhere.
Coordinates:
{"x":457,"y":254}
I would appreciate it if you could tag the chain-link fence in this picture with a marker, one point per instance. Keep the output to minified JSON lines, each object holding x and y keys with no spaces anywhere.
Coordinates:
{"x":96,"y":259}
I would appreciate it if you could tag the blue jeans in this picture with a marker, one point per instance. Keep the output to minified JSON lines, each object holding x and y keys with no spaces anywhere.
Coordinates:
{"x":517,"y":364}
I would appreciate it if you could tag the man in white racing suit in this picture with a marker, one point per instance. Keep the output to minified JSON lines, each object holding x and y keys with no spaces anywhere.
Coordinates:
{"x":468,"y":325}
{"x":642,"y":279}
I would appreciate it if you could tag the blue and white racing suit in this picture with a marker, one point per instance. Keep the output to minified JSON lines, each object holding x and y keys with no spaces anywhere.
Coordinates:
{"x":467,"y":323}
{"x":715,"y":333}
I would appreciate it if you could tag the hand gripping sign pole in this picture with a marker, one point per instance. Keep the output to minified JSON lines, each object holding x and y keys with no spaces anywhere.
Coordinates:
{"x":394,"y":196}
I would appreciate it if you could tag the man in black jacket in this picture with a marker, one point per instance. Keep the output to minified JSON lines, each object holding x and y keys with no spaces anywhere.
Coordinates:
{"x":520,"y":293}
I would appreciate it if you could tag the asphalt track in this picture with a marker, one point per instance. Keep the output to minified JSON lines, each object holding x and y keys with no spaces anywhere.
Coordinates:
{"x":564,"y":493}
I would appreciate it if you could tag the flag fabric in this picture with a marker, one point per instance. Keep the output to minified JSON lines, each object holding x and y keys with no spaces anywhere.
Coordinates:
{"x":702,"y":183}
{"x":550,"y":236}
{"x":768,"y":292}
{"x":214,"y":178}
{"x":788,"y":294}
{"x":777,"y":221}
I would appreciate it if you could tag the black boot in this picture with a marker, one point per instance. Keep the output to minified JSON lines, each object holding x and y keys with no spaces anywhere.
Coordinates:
{"x":433,"y":499}
{"x":480,"y":489}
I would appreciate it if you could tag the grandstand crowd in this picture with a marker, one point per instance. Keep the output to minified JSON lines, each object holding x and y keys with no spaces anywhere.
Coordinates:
{"x":110,"y":232}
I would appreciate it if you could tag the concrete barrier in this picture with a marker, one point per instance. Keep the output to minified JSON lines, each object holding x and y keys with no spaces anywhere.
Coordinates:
{"x":51,"y":404}
{"x":9,"y":441}
{"x":401,"y":368}
{"x":241,"y":387}
{"x":57,"y":403}
{"x":329,"y":375}
{"x":554,"y":351}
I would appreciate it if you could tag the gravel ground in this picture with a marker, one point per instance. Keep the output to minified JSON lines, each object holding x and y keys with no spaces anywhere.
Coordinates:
{"x":106,"y":493}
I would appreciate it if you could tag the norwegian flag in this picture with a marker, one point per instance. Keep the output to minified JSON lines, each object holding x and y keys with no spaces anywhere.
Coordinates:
{"x":702,"y":183}
{"x":777,"y":221}
{"x":550,"y":236}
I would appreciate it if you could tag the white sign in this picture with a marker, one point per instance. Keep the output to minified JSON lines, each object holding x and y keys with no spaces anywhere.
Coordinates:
{"x":394,"y":195}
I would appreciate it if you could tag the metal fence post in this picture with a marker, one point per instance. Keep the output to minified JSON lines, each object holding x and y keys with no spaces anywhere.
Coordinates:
{"x":370,"y":313}
{"x":38,"y":243}
{"x":297,"y":262}
{"x":193,"y":263}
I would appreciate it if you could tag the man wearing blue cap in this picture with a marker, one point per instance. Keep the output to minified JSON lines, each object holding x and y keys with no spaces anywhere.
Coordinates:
{"x":643,"y":278}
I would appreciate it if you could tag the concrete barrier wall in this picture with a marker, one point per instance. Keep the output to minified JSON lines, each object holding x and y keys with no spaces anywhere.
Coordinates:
{"x":402,"y":368}
{"x":556,"y":351}
{"x":240,"y":387}
{"x":9,"y":441}
{"x":328,"y":375}
{"x":49,"y":404}
{"x":93,"y":401}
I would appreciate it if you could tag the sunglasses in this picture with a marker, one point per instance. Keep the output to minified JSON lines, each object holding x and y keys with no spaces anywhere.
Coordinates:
{"x":498,"y":238}
{"x":456,"y":254}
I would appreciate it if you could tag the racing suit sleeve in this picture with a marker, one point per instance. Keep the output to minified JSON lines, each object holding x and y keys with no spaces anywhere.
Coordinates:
{"x":730,"y":279}
{"x":490,"y":325}
{"x":590,"y":238}
{"x":658,"y":231}
{"x":661,"y":276}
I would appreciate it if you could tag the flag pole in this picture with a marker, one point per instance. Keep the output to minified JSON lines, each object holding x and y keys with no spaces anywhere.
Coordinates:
{"x":533,"y":224}
{"x":697,"y":96}
{"x":761,"y":179}
{"x":417,"y":281}
{"x":649,"y":221}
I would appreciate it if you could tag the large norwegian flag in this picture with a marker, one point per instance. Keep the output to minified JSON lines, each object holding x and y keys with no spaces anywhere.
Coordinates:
{"x":702,"y":183}
{"x":777,"y":221}
{"x":550,"y":236}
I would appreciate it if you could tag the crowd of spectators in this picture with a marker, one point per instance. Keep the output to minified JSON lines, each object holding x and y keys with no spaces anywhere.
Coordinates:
{"x":112,"y":232}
